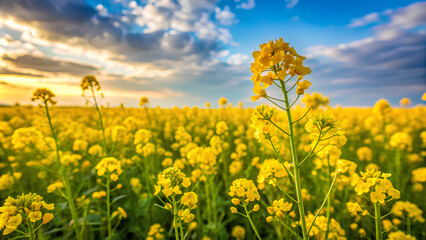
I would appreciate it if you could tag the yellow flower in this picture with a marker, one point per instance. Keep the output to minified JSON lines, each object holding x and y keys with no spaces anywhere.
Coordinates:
{"x":258,"y":91}
{"x":189,"y":199}
{"x":52,"y":187}
{"x":111,"y":166}
{"x":12,"y":223}
{"x":222,"y":101}
{"x":47,"y":217}
{"x":91,"y":82}
{"x":354,"y":208}
{"x":143,"y":101}
{"x":170,"y":180}
{"x":44,"y":95}
{"x":236,"y":201}
{"x":238,"y":232}
{"x":302,"y":86}
{"x":405,"y":101}
{"x":315,"y":100}
{"x":419,"y":175}
{"x":406,"y":209}
{"x":279,"y":207}
{"x":234,"y":210}
{"x":400,"y":236}
{"x":401,"y":140}
{"x":364,"y":154}
{"x":122,"y":212}
{"x":99,"y":194}
{"x":382,"y":107}
{"x":244,"y":189}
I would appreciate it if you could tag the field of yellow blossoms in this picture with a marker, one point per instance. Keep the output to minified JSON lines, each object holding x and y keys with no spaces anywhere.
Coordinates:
{"x":279,"y":171}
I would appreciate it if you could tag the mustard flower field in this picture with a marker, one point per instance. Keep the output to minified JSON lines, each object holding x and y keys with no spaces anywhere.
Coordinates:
{"x":295,"y":168}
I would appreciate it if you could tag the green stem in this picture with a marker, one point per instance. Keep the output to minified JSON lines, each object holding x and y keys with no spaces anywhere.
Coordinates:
{"x":295,"y":164}
{"x":108,"y":203}
{"x":206,"y":188}
{"x":328,"y":198}
{"x":175,"y":215}
{"x":251,"y":222}
{"x":101,"y":123}
{"x":397,"y":167}
{"x":31,"y":230}
{"x":378,"y":221}
{"x":408,"y":225}
{"x":70,"y":196}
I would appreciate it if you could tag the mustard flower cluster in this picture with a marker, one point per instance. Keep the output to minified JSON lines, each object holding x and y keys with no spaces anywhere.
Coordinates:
{"x":144,"y":101}
{"x":364,"y":154}
{"x":111,"y":166}
{"x":405,"y":209}
{"x":156,"y":232}
{"x":25,"y":209}
{"x":401,"y":140}
{"x":170,"y":182}
{"x":271,"y":170}
{"x":375,"y":183}
{"x":204,"y":162}
{"x":90,"y":82}
{"x":319,"y":229}
{"x":279,"y":60}
{"x":315,"y":101}
{"x":44,"y":95}
{"x":243,"y":192}
{"x":27,"y":137}
{"x":238,"y":232}
{"x":382,"y":107}
{"x":280,"y":209}
{"x":262,"y":119}
{"x":400,"y":236}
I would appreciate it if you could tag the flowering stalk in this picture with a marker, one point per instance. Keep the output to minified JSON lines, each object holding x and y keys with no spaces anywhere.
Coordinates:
{"x":108,"y":204}
{"x":175,"y":217}
{"x":91,"y":82}
{"x":295,"y":163}
{"x":63,"y":171}
{"x":378,"y":221}
{"x":251,"y":222}
{"x":101,"y":123}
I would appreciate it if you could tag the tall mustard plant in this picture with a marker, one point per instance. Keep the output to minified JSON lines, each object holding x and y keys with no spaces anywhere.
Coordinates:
{"x":45,"y":96}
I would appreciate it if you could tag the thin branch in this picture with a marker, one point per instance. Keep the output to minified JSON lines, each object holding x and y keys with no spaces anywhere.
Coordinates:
{"x":294,"y":101}
{"x":291,"y":230}
{"x":302,"y":116}
{"x":281,"y":161}
{"x":276,"y":98}
{"x":282,"y":190}
{"x":278,"y":127}
{"x":292,"y":87}
{"x":312,"y":150}
{"x":275,"y":103}
{"x":323,"y":203}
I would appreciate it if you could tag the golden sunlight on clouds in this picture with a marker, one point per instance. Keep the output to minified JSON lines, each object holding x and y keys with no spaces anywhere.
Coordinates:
{"x":15,"y":88}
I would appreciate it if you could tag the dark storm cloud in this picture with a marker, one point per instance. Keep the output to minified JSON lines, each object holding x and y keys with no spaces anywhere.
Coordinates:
{"x":44,"y":64}
{"x":76,"y":23}
{"x":6,"y":71}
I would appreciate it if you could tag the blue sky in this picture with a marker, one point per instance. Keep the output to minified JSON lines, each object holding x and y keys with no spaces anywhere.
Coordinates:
{"x":187,"y":52}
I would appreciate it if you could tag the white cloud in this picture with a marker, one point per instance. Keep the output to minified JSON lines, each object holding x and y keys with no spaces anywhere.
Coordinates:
{"x":237,"y":59}
{"x":102,"y":10}
{"x":249,"y":4}
{"x":410,"y":16}
{"x":225,"y":16}
{"x":291,"y":3}
{"x":365,"y":20}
